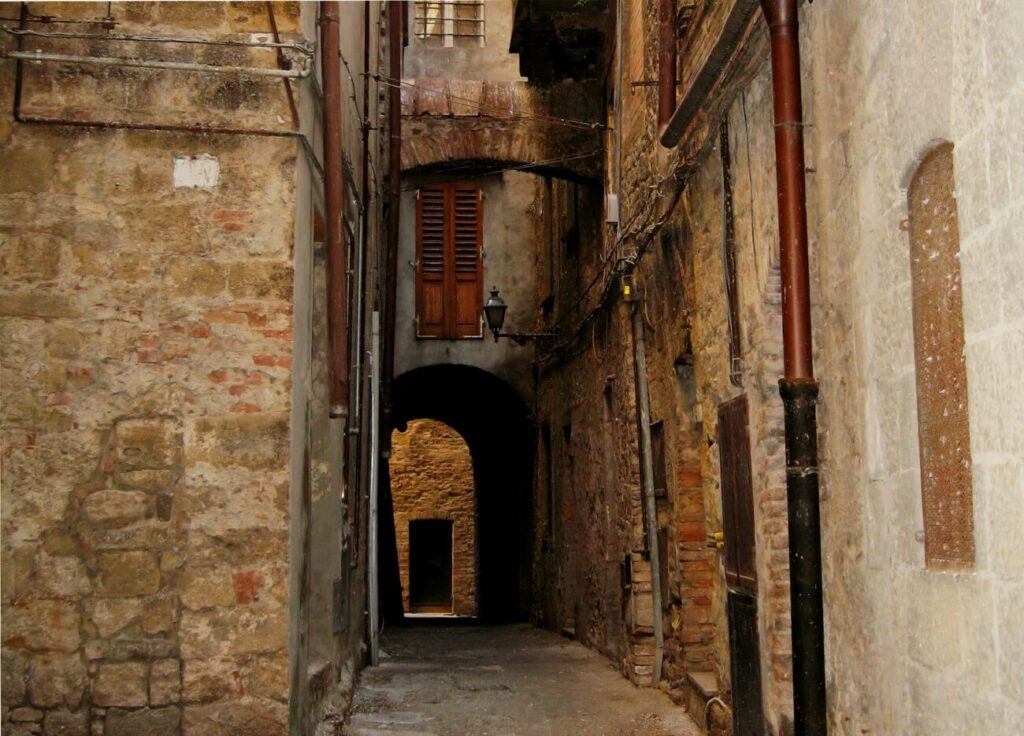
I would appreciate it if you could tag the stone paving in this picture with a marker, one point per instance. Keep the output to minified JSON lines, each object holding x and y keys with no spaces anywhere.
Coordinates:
{"x":451,"y":679}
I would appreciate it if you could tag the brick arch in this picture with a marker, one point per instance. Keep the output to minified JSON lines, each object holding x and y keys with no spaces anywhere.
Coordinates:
{"x":446,"y":122}
{"x":437,"y":146}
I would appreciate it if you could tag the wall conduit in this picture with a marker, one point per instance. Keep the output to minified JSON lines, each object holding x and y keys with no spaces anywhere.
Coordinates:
{"x":666,"y":63}
{"x":798,"y":387}
{"x":650,"y":513}
{"x":330,"y":63}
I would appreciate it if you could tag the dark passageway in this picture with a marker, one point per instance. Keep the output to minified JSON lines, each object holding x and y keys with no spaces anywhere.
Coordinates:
{"x":498,"y":429}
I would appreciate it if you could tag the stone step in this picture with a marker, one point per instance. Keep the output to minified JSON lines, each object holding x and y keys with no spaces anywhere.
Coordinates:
{"x":375,"y":731}
{"x":390,"y":718}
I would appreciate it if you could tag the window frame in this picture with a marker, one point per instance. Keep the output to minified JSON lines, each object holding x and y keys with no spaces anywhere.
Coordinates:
{"x":449,"y":22}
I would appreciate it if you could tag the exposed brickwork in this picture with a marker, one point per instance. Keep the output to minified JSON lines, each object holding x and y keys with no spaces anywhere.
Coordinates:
{"x":432,"y":478}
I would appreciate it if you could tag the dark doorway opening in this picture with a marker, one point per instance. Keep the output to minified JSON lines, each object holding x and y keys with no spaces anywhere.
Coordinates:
{"x":430,"y":566}
{"x":498,"y":429}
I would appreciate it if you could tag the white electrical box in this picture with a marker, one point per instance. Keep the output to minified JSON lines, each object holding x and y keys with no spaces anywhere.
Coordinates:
{"x":611,"y":207}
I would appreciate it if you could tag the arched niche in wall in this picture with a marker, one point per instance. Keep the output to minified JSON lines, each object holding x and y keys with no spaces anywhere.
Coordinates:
{"x":941,"y":371}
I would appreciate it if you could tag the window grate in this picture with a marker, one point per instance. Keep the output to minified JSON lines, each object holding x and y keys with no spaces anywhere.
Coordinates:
{"x":449,"y":22}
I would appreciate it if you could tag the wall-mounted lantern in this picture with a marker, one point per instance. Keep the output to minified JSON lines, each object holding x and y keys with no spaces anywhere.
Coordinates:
{"x":494,"y":313}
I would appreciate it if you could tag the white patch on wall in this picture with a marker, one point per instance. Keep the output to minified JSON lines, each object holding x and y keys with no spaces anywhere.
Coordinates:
{"x":196,"y":172}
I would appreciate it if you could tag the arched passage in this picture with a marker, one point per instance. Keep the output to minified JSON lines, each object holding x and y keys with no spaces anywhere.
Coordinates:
{"x":432,"y":493}
{"x":498,"y":429}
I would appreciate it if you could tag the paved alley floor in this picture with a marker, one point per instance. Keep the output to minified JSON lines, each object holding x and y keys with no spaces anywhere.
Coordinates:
{"x":515,"y":680}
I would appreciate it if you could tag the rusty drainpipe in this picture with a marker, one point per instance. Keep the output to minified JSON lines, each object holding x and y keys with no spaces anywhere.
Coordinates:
{"x":666,"y":63}
{"x":396,"y":8}
{"x":330,"y":63}
{"x":798,"y":387}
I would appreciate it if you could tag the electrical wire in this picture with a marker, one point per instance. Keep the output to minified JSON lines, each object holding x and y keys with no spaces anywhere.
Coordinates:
{"x":624,"y":265}
{"x":363,"y":115}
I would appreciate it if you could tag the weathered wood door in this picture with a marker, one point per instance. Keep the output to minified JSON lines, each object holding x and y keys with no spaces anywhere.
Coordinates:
{"x":740,"y":566}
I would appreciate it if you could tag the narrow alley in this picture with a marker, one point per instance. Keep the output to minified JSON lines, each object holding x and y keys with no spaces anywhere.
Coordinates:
{"x":450,"y":679}
{"x":496,"y":367}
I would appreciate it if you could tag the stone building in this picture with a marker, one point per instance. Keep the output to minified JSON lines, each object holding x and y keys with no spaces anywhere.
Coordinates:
{"x":181,"y":538}
{"x":752,"y":400}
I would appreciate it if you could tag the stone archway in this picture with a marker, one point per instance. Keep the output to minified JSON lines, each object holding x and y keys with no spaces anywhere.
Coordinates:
{"x":497,"y":426}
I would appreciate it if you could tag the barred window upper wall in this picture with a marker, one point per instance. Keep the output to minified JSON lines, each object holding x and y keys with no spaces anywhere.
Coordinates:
{"x":448,"y":23}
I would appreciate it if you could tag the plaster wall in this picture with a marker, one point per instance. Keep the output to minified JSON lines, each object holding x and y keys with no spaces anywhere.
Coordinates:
{"x":510,"y":221}
{"x":912,"y":650}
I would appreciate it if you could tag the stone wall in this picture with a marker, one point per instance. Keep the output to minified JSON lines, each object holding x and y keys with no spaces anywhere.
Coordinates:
{"x":912,"y":650}
{"x":156,"y":293}
{"x":147,"y":370}
{"x":432,"y":478}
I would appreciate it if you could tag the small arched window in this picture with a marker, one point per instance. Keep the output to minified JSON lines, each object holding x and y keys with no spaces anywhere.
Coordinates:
{"x":942,"y":410}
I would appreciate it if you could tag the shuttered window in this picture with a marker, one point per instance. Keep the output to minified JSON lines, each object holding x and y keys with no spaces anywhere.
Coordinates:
{"x":449,"y":279}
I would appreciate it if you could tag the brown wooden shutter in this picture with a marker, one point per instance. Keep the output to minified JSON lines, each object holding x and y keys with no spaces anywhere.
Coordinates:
{"x":431,"y":226}
{"x":737,"y":493}
{"x":449,"y":276}
{"x":467,"y":284}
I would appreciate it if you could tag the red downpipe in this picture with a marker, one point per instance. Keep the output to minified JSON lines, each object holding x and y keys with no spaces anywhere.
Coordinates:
{"x":667,"y":45}
{"x":789,"y":151}
{"x":330,"y":63}
{"x":396,"y":10}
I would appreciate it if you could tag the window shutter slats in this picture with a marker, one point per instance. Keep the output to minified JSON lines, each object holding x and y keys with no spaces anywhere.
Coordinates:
{"x":432,"y":222}
{"x":430,"y":256}
{"x":467,"y":237}
{"x":449,"y":284}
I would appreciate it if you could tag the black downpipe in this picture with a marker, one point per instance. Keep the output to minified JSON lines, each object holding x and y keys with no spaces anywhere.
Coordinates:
{"x":799,"y":399}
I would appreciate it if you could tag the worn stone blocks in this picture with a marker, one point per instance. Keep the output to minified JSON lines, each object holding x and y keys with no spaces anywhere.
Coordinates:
{"x":121,"y":684}
{"x":144,"y":722}
{"x":127,"y":574}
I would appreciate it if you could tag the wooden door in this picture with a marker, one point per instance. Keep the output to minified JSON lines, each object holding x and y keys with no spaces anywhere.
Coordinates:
{"x":740,"y":566}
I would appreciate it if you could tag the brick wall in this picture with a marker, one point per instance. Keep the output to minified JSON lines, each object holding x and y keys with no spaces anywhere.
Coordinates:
{"x":432,"y":478}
